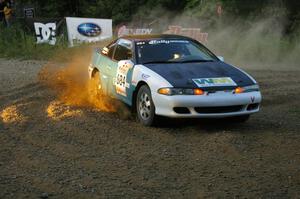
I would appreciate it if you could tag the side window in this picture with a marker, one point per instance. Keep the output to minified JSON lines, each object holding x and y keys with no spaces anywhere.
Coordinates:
{"x":109,"y":50}
{"x":123,"y":50}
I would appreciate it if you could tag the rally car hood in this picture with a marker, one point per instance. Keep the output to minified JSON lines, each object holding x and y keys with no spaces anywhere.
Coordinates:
{"x":181,"y":75}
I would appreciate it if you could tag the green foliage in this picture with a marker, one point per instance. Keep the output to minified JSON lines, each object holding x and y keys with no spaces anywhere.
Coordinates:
{"x":14,"y":42}
{"x":17,"y":43}
{"x":122,"y":11}
{"x":119,"y":11}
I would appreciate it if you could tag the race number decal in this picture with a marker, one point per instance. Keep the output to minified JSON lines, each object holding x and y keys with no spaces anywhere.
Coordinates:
{"x":121,"y":78}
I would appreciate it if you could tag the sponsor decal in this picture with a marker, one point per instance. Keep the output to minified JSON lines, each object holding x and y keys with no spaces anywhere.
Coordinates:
{"x":194,"y":33}
{"x":145,"y":76}
{"x":152,"y":42}
{"x":123,"y":30}
{"x":45,"y":33}
{"x":121,"y":78}
{"x":208,"y":82}
{"x":89,"y":29}
{"x":140,"y":43}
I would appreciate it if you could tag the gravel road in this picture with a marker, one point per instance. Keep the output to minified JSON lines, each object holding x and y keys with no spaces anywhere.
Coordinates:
{"x":50,"y":148}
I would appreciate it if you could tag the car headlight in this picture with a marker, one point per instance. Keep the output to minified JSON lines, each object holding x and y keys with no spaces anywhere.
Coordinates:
{"x":180,"y":91}
{"x":246,"y":89}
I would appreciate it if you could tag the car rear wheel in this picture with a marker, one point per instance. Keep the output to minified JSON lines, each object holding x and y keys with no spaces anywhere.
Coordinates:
{"x":95,"y":85}
{"x":145,"y":107}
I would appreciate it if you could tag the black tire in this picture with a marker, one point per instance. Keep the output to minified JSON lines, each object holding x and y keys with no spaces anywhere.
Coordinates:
{"x":145,"y":107}
{"x":240,"y":119}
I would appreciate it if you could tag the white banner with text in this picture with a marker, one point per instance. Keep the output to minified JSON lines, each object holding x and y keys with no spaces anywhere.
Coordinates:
{"x":87,"y":30}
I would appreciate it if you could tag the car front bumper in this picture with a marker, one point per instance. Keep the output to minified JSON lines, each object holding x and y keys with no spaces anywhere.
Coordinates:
{"x":214,"y":105}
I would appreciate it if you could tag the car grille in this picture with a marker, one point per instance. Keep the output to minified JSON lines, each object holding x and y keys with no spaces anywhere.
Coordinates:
{"x":181,"y":110}
{"x":252,"y":107}
{"x":219,"y":109}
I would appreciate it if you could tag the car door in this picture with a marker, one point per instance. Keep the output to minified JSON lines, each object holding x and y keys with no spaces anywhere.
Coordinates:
{"x":104,"y":64}
{"x":122,"y":70}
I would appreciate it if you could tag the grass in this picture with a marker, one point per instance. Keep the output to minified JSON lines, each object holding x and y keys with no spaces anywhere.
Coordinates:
{"x":17,"y":43}
{"x":295,"y":110}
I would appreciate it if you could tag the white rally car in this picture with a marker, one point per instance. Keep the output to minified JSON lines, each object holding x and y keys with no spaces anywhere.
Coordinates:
{"x":173,"y":76}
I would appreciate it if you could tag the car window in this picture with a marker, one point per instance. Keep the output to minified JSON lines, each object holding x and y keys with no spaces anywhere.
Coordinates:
{"x":194,"y":50}
{"x":172,"y":50}
{"x":109,"y":50}
{"x":123,"y":50}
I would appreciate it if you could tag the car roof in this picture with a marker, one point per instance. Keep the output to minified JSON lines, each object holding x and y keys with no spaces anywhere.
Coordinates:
{"x":154,"y":36}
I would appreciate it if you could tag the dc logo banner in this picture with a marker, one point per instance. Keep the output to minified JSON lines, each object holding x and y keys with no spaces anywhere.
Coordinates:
{"x":45,"y":33}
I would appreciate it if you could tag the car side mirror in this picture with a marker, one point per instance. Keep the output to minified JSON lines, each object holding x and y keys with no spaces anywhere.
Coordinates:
{"x":105,"y":51}
{"x":221,"y":58}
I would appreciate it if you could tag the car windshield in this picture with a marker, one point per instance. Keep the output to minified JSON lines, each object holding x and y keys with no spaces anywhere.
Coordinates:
{"x":172,"y":51}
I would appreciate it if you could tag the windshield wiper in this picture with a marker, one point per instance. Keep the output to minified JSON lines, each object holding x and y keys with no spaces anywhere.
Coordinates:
{"x":186,"y":61}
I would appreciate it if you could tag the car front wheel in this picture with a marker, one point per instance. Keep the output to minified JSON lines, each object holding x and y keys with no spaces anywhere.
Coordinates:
{"x":145,"y":107}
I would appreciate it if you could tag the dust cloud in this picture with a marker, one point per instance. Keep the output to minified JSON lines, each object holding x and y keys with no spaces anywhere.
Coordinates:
{"x":58,"y":111}
{"x":72,"y":85}
{"x":13,"y":114}
{"x":259,"y":41}
{"x":258,"y":45}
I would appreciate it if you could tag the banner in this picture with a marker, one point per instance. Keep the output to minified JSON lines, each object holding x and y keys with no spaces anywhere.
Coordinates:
{"x":45,"y":33}
{"x":123,"y":30}
{"x":29,"y":13}
{"x":194,"y":33}
{"x":88,"y":30}
{"x":45,"y":29}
